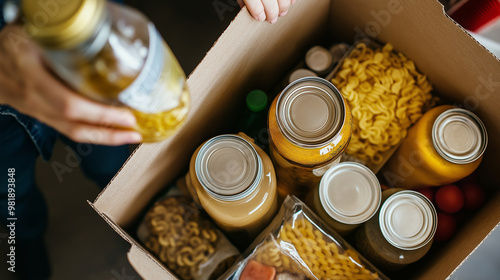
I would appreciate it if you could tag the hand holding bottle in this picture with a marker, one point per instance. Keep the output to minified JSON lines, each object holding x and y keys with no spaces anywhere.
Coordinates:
{"x":27,"y":86}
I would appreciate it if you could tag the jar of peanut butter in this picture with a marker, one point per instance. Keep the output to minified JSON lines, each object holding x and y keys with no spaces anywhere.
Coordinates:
{"x":235,"y":183}
{"x":444,"y":146}
{"x":310,"y":125}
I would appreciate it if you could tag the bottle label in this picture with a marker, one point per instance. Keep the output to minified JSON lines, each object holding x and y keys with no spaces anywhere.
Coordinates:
{"x":159,"y":85}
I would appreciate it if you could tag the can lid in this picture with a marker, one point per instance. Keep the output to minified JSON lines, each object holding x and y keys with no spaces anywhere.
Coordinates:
{"x":350,"y":193}
{"x":408,"y":220}
{"x":256,"y":100}
{"x":459,"y":136}
{"x":228,"y":167}
{"x":62,"y":25}
{"x":301,"y":73}
{"x":318,"y":59}
{"x":310,"y":112}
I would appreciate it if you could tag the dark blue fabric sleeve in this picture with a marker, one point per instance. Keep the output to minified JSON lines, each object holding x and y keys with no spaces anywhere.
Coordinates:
{"x":2,"y":21}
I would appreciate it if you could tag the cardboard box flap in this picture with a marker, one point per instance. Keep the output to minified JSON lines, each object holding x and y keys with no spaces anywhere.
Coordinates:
{"x":146,"y":266}
{"x":113,"y":225}
{"x":259,"y":58}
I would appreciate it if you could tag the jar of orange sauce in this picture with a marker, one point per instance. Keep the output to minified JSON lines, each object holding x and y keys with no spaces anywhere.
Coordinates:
{"x":235,"y":183}
{"x":310,"y":126}
{"x":444,"y":146}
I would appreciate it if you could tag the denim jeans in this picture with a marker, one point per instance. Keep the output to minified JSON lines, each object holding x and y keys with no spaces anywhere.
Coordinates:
{"x":22,"y":140}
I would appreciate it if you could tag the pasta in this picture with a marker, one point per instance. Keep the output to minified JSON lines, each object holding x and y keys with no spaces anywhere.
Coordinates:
{"x":188,"y":245}
{"x":303,"y":249}
{"x":386,"y":95}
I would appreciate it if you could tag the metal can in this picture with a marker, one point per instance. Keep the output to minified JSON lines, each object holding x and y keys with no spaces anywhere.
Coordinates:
{"x":401,"y":233}
{"x":310,"y":126}
{"x":348,"y":195}
{"x":444,"y":146}
{"x":235,"y":183}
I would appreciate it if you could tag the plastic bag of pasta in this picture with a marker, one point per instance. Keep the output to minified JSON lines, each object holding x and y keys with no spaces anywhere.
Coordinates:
{"x":298,"y":246}
{"x":189,"y":245}
{"x":386,"y":94}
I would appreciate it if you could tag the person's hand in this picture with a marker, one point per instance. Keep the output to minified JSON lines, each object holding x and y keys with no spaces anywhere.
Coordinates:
{"x":27,"y":85}
{"x":268,"y":10}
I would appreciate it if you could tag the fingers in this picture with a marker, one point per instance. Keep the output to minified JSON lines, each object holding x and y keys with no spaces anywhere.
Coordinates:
{"x":284,"y":5}
{"x":272,"y":10}
{"x":256,"y":9}
{"x":80,"y":109}
{"x":268,"y":10}
{"x":74,"y":107}
{"x":82,"y":119}
{"x":84,"y":133}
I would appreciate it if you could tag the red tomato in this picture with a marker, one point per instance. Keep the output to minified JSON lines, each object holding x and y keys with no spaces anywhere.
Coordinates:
{"x":447,"y":225}
{"x":428,"y":192}
{"x":474,"y":196}
{"x":449,"y":198}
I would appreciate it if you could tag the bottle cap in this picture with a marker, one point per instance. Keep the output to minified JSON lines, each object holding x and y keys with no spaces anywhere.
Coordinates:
{"x":256,"y":100}
{"x":350,"y":193}
{"x":57,"y":25}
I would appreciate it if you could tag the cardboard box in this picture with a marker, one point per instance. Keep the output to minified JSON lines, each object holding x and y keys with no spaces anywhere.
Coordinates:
{"x":253,"y":54}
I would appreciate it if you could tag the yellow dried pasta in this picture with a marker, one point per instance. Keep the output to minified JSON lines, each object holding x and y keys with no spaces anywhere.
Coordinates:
{"x":386,"y":95}
{"x":181,"y":240}
{"x":321,"y":258}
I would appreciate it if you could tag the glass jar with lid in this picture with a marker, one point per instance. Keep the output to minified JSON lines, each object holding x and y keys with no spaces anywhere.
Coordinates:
{"x":114,"y":55}
{"x":348,"y":195}
{"x":310,"y":125}
{"x":235,"y":183}
{"x":444,"y":146}
{"x":401,"y":232}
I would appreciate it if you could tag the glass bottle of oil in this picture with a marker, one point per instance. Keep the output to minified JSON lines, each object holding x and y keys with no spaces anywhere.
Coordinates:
{"x":115,"y":55}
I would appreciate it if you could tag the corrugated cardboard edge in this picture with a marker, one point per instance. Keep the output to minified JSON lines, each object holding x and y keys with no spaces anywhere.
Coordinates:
{"x":487,"y":50}
{"x":144,"y":263}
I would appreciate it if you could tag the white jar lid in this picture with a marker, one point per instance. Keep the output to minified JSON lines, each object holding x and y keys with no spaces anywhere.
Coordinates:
{"x":408,"y":220}
{"x":350,"y":193}
{"x":318,"y":59}
{"x":301,"y":73}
